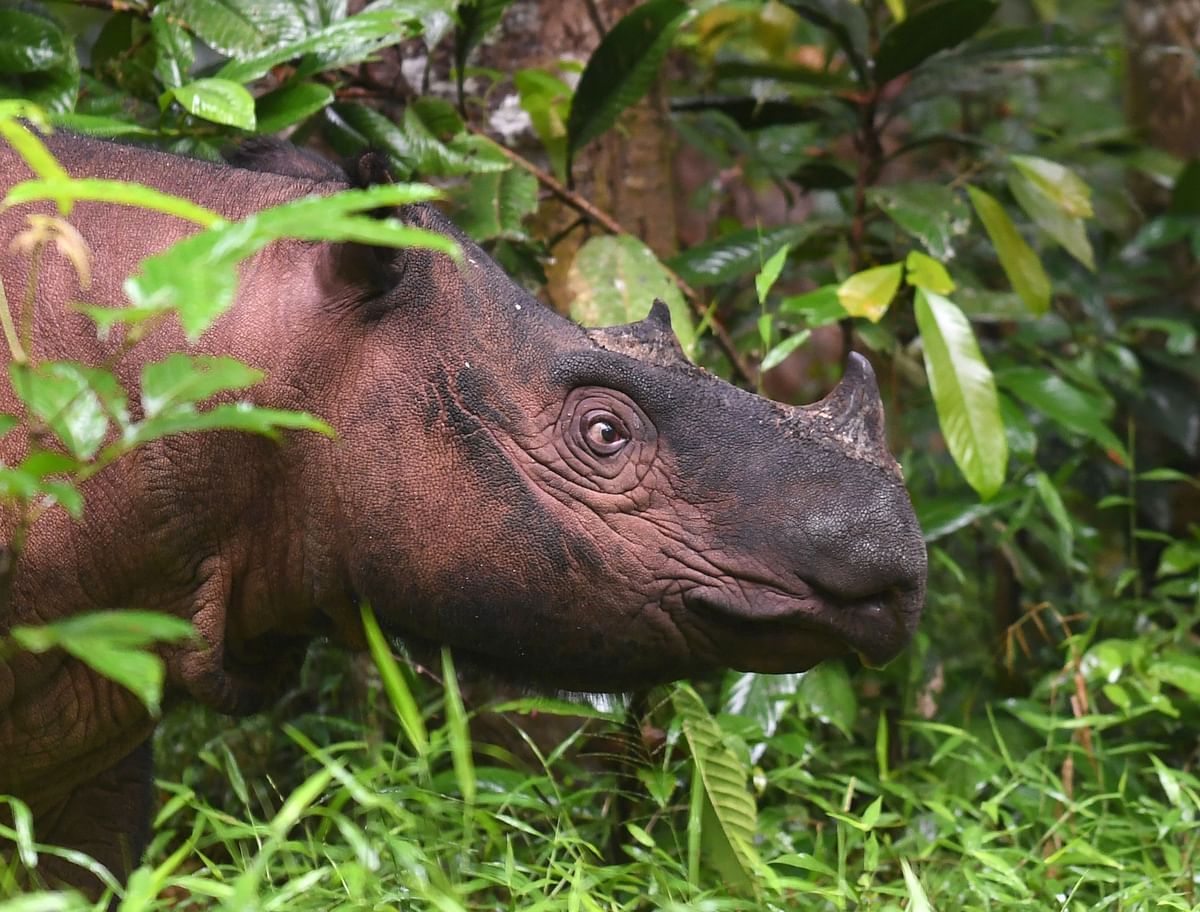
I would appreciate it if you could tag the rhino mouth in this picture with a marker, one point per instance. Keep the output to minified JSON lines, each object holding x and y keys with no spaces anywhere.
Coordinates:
{"x":770,"y":631}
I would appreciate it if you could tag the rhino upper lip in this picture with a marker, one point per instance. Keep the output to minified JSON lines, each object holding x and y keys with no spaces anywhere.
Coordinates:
{"x":812,"y":622}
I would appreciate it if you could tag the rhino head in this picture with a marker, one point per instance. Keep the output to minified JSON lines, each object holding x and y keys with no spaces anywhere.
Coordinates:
{"x":588,"y":510}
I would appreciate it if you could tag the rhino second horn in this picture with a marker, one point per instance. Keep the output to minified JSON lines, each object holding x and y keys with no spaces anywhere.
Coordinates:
{"x":853,"y":410}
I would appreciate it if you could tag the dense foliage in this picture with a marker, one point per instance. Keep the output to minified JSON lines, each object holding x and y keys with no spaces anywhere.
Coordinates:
{"x":952,"y":187}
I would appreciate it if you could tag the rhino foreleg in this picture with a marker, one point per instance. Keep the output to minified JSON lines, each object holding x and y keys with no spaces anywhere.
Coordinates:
{"x":107,"y":817}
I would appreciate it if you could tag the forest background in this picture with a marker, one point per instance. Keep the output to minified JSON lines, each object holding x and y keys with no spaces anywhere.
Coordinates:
{"x":998,"y":202}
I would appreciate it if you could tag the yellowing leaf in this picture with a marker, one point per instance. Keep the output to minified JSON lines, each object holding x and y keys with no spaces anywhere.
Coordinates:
{"x":869,"y":293}
{"x":923,"y":271}
{"x":1058,"y":182}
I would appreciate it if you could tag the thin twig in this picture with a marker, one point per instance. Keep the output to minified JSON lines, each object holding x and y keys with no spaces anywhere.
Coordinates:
{"x":580,"y":204}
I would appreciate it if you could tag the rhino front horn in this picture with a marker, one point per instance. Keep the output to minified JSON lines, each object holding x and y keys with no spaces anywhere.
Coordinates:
{"x":853,"y":410}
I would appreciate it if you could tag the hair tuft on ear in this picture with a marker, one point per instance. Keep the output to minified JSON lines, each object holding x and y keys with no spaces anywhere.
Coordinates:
{"x":370,"y":169}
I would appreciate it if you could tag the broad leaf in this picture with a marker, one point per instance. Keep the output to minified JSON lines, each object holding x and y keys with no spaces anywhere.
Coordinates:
{"x":181,"y":380}
{"x":197,"y":277}
{"x":289,"y":105}
{"x":728,"y":832}
{"x":818,"y":308}
{"x":230,"y":416}
{"x":1058,"y":182}
{"x":74,"y":400}
{"x":935,"y":27}
{"x":233,"y":28}
{"x":843,"y":19}
{"x":1075,"y":409}
{"x":932,"y":213}
{"x":1048,"y":213}
{"x":37,"y":61}
{"x":763,"y":698}
{"x":114,"y":643}
{"x":869,"y":293}
{"x":923,"y":271}
{"x":495,"y":205}
{"x":547,"y":101}
{"x":964,"y":393}
{"x":825,"y":692}
{"x":173,"y":50}
{"x":217,"y":100}
{"x":621,"y":70}
{"x":476,"y":18}
{"x":736,"y":254}
{"x":615,"y":280}
{"x":1020,"y":263}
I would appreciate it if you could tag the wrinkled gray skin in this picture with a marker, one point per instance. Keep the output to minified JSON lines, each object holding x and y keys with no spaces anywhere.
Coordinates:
{"x":573,"y":509}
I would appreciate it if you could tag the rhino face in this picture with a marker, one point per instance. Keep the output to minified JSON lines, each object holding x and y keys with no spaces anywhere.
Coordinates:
{"x":588,"y":510}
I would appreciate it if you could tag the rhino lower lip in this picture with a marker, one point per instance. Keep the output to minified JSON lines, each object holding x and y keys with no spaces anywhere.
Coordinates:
{"x":775,"y":632}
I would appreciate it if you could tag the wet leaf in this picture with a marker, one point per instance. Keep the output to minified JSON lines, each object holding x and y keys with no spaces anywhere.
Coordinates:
{"x":922,"y":271}
{"x":216,"y":100}
{"x":825,"y":693}
{"x":289,"y":105}
{"x":1057,"y":182}
{"x":621,"y":70}
{"x":964,"y":393}
{"x":935,"y":27}
{"x":1020,"y":263}
{"x":933,"y":214}
{"x":869,"y":293}
{"x":735,"y":254}
{"x":1075,"y":409}
{"x":74,"y":401}
{"x":615,"y":279}
{"x":1049,"y":215}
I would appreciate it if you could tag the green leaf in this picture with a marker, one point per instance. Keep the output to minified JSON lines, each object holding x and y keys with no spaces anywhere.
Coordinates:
{"x":825,"y":693}
{"x":197,"y":277}
{"x":339,"y":44}
{"x":621,"y":69}
{"x":1179,"y":669}
{"x":62,"y":394}
{"x":1053,"y":502}
{"x":173,"y":50}
{"x":769,"y":275}
{"x":1020,"y":263}
{"x":394,"y":684}
{"x":476,"y":18}
{"x":115,"y":644}
{"x":217,"y":100}
{"x":234,"y":28}
{"x":964,"y":393}
{"x":290,"y":104}
{"x":37,"y":61}
{"x":1066,"y":404}
{"x":918,"y":901}
{"x":933,"y":214}
{"x":181,"y":380}
{"x":547,"y":101}
{"x":615,"y":279}
{"x":869,"y":293}
{"x":735,"y":254}
{"x":1049,"y":215}
{"x":731,"y":824}
{"x":229,"y":416}
{"x":819,"y":307}
{"x":843,"y":19}
{"x":66,"y":190}
{"x":458,"y":731}
{"x":779,"y":353}
{"x":1058,"y":182}
{"x":923,"y":271}
{"x":935,"y":27}
{"x":496,"y":204}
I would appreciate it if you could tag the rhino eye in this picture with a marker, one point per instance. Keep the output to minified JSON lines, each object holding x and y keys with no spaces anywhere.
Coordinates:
{"x":604,"y":433}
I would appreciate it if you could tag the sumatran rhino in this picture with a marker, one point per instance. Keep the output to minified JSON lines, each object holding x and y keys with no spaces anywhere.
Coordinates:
{"x":576,"y":509}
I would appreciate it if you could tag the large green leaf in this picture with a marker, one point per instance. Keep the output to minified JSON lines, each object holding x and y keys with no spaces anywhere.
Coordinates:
{"x":935,"y":27}
{"x":1057,"y":201}
{"x":475,"y":19}
{"x":290,"y":104}
{"x":964,"y":393}
{"x":181,"y":380}
{"x":1081,"y":411}
{"x":114,"y":643}
{"x":496,"y":204}
{"x":37,"y":61}
{"x":846,"y":21}
{"x":174,"y":54}
{"x":737,"y":253}
{"x":74,"y":400}
{"x":932,"y":213}
{"x":217,"y":100}
{"x":615,"y":279}
{"x":621,"y":70}
{"x":233,"y":27}
{"x":1020,"y":263}
{"x":197,"y":277}
{"x":730,"y":825}
{"x":547,"y":101}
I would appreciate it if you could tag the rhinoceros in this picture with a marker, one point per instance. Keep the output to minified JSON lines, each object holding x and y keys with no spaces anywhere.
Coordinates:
{"x":579,"y":509}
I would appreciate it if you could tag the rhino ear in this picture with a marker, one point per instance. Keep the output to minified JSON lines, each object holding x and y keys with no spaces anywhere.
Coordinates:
{"x":370,"y":169}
